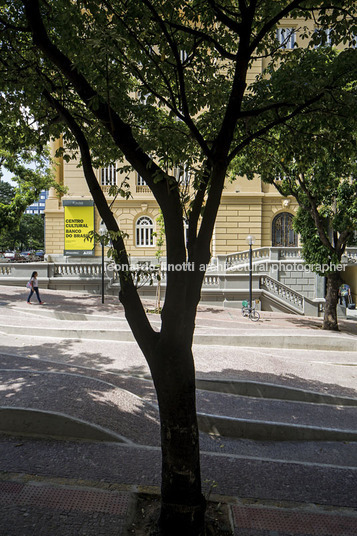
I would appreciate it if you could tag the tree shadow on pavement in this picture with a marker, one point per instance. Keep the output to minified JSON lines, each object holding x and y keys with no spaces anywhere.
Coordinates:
{"x":65,"y":351}
{"x":346,"y":326}
{"x":116,"y":402}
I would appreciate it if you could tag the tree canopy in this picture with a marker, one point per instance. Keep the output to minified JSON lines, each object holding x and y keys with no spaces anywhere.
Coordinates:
{"x":313,"y":158}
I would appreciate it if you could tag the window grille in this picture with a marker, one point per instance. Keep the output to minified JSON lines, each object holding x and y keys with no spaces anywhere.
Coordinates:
{"x":286,"y":37}
{"x":182,"y":175}
{"x":325,"y":37}
{"x":144,"y":231}
{"x":109,"y":175}
{"x":283,"y":234}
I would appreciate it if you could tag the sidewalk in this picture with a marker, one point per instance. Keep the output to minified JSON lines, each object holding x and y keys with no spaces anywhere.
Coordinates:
{"x":74,"y":487}
{"x":50,"y":508}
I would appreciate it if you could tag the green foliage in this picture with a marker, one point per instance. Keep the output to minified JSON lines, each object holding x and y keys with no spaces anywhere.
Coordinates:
{"x":7,"y":192}
{"x":28,"y":236}
{"x":167,"y":69}
{"x":165,"y":87}
{"x":160,"y":236}
{"x":29,"y":170}
{"x":313,"y":156}
{"x":313,"y":251}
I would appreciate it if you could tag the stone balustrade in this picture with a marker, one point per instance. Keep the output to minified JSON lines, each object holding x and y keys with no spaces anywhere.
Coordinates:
{"x":221,"y":284}
{"x":283,"y":292}
{"x":242,"y":257}
{"x":229,"y":262}
{"x":74,"y":270}
{"x":5,"y":269}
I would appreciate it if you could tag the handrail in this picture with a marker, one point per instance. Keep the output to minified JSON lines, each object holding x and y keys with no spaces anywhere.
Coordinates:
{"x":283,"y":292}
{"x":242,"y":257}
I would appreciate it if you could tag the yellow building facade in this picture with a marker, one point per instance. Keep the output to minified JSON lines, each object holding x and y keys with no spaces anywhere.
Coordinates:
{"x":247,"y":208}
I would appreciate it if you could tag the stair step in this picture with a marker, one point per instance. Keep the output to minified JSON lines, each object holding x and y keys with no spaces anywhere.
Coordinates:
{"x":288,"y":412}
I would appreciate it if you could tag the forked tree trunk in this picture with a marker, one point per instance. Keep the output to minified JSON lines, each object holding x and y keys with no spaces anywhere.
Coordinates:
{"x":330,"y":316}
{"x":182,"y":503}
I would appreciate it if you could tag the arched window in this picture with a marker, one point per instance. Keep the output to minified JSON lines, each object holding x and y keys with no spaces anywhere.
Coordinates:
{"x":283,"y":234}
{"x":144,"y":231}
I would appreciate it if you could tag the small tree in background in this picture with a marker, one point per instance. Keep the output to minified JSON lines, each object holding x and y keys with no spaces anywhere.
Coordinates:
{"x":29,"y":170}
{"x":29,"y":235}
{"x":7,"y":192}
{"x":313,"y":158}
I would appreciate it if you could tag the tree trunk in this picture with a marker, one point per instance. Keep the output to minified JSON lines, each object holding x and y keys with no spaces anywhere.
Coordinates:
{"x":330,"y":316}
{"x":182,"y":504}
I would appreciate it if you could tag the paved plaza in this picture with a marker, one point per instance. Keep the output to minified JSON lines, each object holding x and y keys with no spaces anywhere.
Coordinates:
{"x":276,"y":402}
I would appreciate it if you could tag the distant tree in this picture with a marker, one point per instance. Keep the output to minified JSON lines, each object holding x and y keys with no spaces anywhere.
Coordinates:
{"x":30,"y":172}
{"x":161,"y":84}
{"x":7,"y":192}
{"x":28,"y":236}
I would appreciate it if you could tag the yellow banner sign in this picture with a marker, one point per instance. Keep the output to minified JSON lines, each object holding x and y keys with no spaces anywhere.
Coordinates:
{"x":78,"y":222}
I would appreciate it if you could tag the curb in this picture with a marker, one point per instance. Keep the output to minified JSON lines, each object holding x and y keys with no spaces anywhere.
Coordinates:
{"x":45,"y":423}
{"x":305,"y":342}
{"x":269,"y":431}
{"x":271,"y":391}
{"x":41,"y":423}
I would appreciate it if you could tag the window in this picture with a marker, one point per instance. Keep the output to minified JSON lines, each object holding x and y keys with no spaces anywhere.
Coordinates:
{"x":183,"y":56}
{"x":109,"y":175}
{"x":182,"y":175}
{"x":143,"y":97}
{"x":324,"y":37}
{"x":144,"y":231}
{"x":141,"y":186}
{"x":283,"y":234}
{"x":286,"y":37}
{"x":140,"y":181}
{"x":328,"y":34}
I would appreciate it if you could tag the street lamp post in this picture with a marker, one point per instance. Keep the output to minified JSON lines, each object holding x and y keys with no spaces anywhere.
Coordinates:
{"x":250,"y":239}
{"x":102,"y":231}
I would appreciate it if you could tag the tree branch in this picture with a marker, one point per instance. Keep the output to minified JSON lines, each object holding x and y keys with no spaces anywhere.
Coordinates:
{"x":206,"y":37}
{"x":134,"y":310}
{"x":270,"y":24}
{"x":313,"y":209}
{"x":10,"y":26}
{"x":196,"y":212}
{"x":269,"y":126}
{"x":233,"y":25}
{"x":185,"y":108}
{"x":118,"y":129}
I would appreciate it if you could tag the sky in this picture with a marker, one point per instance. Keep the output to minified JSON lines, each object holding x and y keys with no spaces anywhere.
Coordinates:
{"x":6,"y":176}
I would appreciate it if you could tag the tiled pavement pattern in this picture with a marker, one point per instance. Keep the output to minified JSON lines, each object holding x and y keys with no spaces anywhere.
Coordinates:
{"x":40,"y":509}
{"x":31,"y":509}
{"x":272,"y":521}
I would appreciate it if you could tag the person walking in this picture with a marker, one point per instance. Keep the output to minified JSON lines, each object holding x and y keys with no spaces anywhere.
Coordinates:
{"x":33,"y":286}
